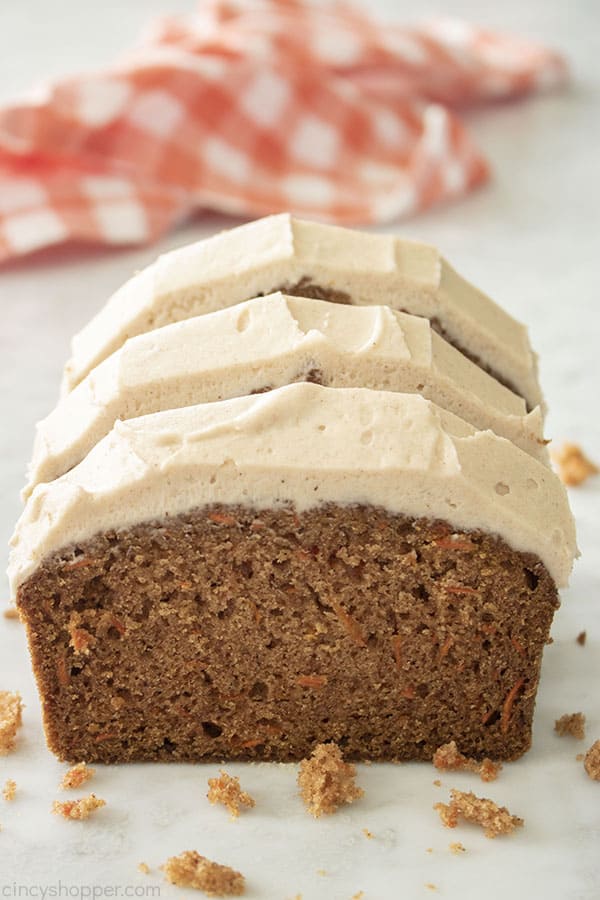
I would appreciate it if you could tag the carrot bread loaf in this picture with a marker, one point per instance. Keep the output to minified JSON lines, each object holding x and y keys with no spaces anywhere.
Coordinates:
{"x":251,"y":577}
{"x":265,"y":343}
{"x":311,"y":260}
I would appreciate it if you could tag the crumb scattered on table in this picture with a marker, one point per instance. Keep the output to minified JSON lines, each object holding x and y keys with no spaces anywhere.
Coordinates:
{"x":78,"y":809}
{"x":572,"y":724}
{"x":358,"y":896}
{"x":496,"y":820}
{"x":10,"y":789}
{"x":457,"y":847}
{"x":76,"y":776}
{"x":326,"y":781}
{"x":573,"y":465}
{"x":11,"y":717}
{"x":580,"y":757}
{"x":368,"y":834}
{"x":430,"y":886}
{"x":581,"y":638}
{"x":591,"y":761}
{"x":144,"y":868}
{"x":437,"y":782}
{"x":191,"y":870}
{"x":429,"y":850}
{"x":226,"y":789}
{"x":449,"y":758}
{"x":11,"y":612}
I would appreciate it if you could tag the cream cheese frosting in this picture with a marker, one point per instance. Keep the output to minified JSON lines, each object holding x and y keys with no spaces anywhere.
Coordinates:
{"x":304,"y":445}
{"x":265,"y":343}
{"x":280,"y":251}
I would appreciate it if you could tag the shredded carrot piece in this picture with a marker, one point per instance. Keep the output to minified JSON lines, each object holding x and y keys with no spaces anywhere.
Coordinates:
{"x":311,"y":681}
{"x":489,"y":629}
{"x":79,"y":563}
{"x":508,"y":704}
{"x":460,"y":589}
{"x":350,"y":624}
{"x":116,"y":623}
{"x":408,"y":693}
{"x":61,"y":671}
{"x":221,"y":518}
{"x":253,"y":742}
{"x":518,"y":646}
{"x":487,"y":716}
{"x":445,"y":648}
{"x":446,"y":543}
{"x":104,"y":736}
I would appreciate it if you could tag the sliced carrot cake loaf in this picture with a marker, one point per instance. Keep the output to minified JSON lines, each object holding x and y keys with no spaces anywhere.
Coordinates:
{"x":280,"y":253}
{"x":265,"y":343}
{"x":250,"y":577}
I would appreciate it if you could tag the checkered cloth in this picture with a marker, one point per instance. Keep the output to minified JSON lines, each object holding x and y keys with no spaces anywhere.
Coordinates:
{"x":252,"y":108}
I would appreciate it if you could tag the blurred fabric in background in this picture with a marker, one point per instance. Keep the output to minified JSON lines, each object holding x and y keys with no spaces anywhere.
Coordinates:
{"x":253,"y":108}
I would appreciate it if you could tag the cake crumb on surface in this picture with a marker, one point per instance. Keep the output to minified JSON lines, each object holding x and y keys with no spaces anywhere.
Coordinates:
{"x":11,"y":717}
{"x":11,"y":612}
{"x":144,"y":868}
{"x":358,"y":896}
{"x":449,"y":758}
{"x":368,"y":834}
{"x":437,"y":782}
{"x":574,"y":467}
{"x":496,"y":820}
{"x":457,"y":848}
{"x":572,"y":724}
{"x":78,"y":809}
{"x":430,"y":886}
{"x":191,"y":870}
{"x":581,"y":638}
{"x":226,"y":789}
{"x":326,"y":781}
{"x":76,"y":776}
{"x":10,"y":789}
{"x":591,"y":761}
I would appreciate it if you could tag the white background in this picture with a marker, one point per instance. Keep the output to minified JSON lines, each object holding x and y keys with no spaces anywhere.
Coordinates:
{"x":530,"y":239}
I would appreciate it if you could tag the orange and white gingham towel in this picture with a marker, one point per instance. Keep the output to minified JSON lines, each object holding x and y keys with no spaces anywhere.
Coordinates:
{"x":252,"y":108}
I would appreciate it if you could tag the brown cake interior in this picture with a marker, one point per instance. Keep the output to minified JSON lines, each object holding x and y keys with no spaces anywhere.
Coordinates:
{"x":230,"y":633}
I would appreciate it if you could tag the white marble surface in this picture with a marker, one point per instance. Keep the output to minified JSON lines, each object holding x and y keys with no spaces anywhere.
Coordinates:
{"x":531,"y":240}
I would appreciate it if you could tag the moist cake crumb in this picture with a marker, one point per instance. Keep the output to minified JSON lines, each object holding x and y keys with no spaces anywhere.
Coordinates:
{"x":494,"y":819}
{"x":457,"y":848}
{"x":449,"y":758}
{"x":326,"y":781}
{"x":591,"y":761}
{"x":291,"y":564}
{"x":11,"y":709}
{"x":226,"y":789}
{"x":581,"y":638}
{"x":76,"y":776}
{"x":144,"y":868}
{"x":10,"y":789}
{"x":191,"y":870}
{"x":78,"y":809}
{"x":573,"y":465}
{"x":572,"y":724}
